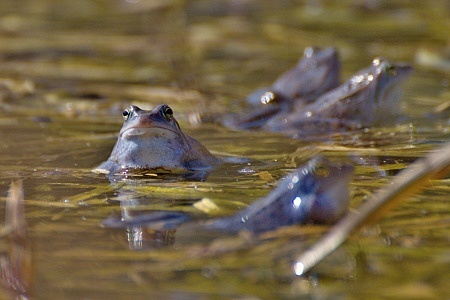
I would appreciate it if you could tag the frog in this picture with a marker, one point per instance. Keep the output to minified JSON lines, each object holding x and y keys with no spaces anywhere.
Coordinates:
{"x":316,"y":72}
{"x":153,"y":140}
{"x":316,"y":192}
{"x":369,"y":98}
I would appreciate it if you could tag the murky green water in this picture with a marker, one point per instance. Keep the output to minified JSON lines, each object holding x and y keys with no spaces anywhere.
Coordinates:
{"x":67,"y":70}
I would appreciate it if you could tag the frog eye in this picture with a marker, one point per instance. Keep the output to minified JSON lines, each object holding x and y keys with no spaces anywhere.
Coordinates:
{"x":267,"y":97}
{"x":168,"y":113}
{"x":270,"y":97}
{"x":126,"y":114}
{"x":390,"y":70}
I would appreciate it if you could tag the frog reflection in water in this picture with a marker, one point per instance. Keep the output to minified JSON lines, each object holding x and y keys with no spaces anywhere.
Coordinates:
{"x":317,"y":192}
{"x":153,"y":140}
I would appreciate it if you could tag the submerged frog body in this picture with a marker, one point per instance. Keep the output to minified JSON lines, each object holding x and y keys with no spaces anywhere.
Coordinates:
{"x":314,"y":193}
{"x":153,"y":140}
{"x":316,"y":72}
{"x":370,"y":97}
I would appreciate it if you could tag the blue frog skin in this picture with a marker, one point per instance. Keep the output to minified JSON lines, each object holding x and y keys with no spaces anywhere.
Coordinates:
{"x":314,"y":193}
{"x":317,"y":192}
{"x":370,"y":97}
{"x":305,"y":101}
{"x":317,"y":72}
{"x":153,"y":140}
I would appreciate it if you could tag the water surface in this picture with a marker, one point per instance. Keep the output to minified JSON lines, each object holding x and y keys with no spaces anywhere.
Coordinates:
{"x":67,"y":71}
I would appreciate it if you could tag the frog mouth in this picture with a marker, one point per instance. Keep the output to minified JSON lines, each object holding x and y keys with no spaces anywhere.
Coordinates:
{"x":147,"y":131}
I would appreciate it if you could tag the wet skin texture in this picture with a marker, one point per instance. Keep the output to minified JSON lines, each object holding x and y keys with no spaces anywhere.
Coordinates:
{"x":314,"y":193}
{"x":317,"y":192}
{"x":370,"y":97}
{"x":153,"y":140}
{"x":315,"y":73}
